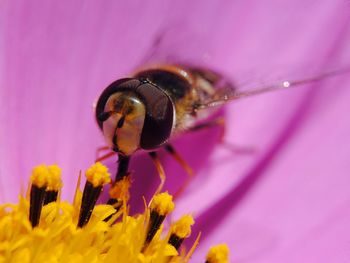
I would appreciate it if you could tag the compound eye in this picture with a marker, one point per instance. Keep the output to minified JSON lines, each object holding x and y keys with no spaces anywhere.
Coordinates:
{"x":159,"y":120}
{"x":117,"y":86}
{"x":123,"y":128}
{"x":124,"y":103}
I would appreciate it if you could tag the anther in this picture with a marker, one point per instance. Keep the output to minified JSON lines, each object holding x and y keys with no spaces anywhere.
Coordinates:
{"x":180,"y":230}
{"x":161,"y":205}
{"x":39,"y":180}
{"x":54,"y":184}
{"x":218,"y":254}
{"x":96,"y":177}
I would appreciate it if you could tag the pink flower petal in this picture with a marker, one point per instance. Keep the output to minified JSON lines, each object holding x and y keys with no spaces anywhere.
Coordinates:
{"x":285,"y":202}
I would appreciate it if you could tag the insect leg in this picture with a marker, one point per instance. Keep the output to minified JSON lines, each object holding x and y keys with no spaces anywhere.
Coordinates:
{"x":170,"y":149}
{"x":99,"y":150}
{"x":105,"y":156}
{"x":229,"y":146}
{"x":183,"y":187}
{"x":160,"y":170}
{"x":213,"y":123}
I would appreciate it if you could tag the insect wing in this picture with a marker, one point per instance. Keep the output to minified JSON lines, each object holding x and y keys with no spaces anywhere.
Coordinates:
{"x":188,"y":48}
{"x":227,"y":90}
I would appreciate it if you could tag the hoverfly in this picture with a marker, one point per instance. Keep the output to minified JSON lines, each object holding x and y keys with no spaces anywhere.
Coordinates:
{"x":154,"y":105}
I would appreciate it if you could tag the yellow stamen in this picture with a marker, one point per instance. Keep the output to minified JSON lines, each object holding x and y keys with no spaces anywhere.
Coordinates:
{"x":218,"y":254}
{"x":54,"y":182}
{"x":162,"y":203}
{"x":194,"y":246}
{"x":182,"y":228}
{"x":98,"y":175}
{"x":49,"y":233}
{"x":40,"y":176}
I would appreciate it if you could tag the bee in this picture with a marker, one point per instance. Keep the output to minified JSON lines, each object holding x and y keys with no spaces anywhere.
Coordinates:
{"x":156,"y":104}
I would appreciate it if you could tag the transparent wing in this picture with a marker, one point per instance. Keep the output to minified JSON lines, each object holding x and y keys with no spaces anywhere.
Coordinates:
{"x":172,"y":44}
{"x":227,"y":90}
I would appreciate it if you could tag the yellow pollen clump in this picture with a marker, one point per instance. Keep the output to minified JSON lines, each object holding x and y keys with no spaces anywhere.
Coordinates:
{"x":218,"y":254}
{"x":162,"y":203}
{"x":40,"y":176}
{"x":98,"y":175}
{"x":120,"y":189}
{"x":182,"y":227}
{"x":54,"y":181}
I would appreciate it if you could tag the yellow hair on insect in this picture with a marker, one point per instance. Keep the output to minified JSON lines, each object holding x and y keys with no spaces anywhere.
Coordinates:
{"x":162,"y":203}
{"x":182,"y":227}
{"x":98,"y":175}
{"x":218,"y":254}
